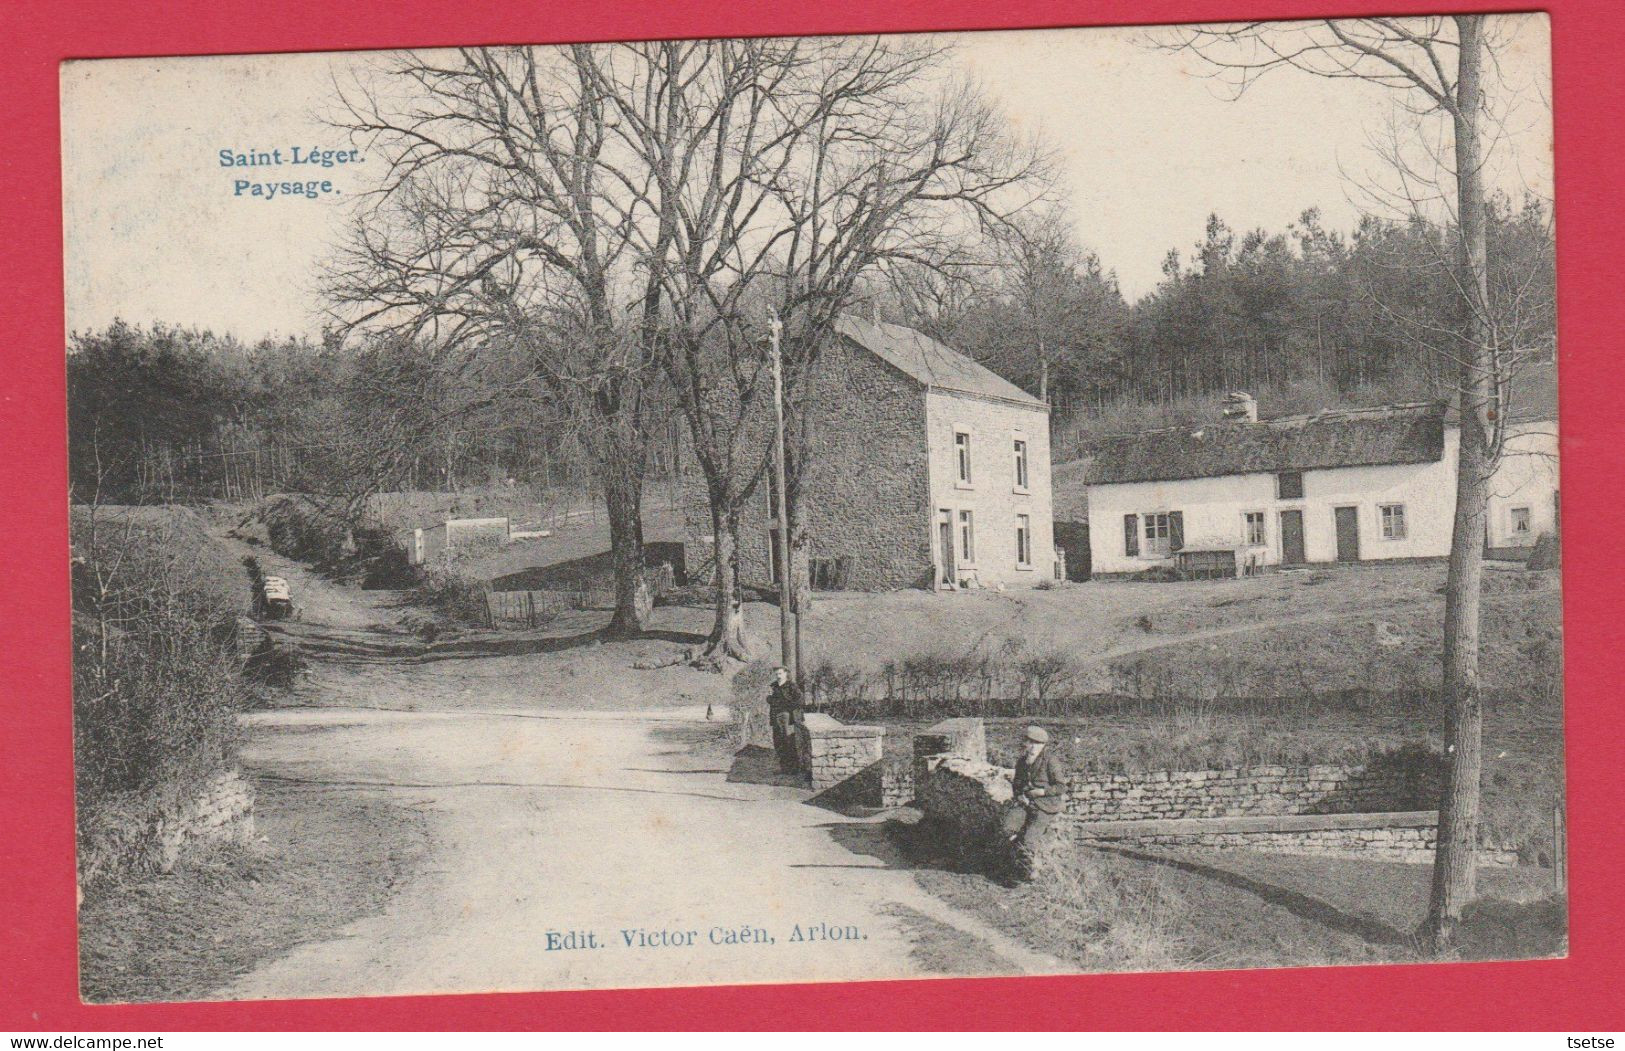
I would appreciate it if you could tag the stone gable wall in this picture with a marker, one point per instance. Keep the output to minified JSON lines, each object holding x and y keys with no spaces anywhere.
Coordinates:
{"x":867,"y":490}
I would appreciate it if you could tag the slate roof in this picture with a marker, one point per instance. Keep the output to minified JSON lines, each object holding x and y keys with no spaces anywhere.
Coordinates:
{"x":931,"y":363}
{"x":1398,"y":434}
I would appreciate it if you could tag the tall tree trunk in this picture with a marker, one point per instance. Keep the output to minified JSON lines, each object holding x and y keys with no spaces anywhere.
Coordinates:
{"x":1454,"y":869}
{"x":728,"y":638}
{"x":623,"y":502}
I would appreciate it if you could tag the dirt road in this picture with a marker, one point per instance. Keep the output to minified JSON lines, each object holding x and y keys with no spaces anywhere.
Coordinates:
{"x":588,"y":849}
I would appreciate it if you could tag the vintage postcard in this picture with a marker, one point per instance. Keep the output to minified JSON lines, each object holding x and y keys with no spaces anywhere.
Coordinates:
{"x":814,"y":509}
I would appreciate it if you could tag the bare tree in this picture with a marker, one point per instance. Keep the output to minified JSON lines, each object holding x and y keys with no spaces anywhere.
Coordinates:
{"x":898,"y":174}
{"x":1437,"y":67}
{"x":501,"y":219}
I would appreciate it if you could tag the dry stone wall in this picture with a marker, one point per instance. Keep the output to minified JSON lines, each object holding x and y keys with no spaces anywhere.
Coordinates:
{"x":1373,"y":811}
{"x":1255,"y":790}
{"x":155,"y":839}
{"x":845,"y":761}
{"x":1406,"y":837}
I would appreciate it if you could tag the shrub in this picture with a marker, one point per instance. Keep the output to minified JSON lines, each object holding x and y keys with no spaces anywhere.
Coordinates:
{"x":157,"y":680}
{"x":384,"y":563}
{"x":453,"y":594}
{"x":299,"y":527}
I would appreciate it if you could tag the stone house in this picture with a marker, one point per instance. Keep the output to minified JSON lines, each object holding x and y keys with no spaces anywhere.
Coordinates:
{"x":927,"y":470}
{"x":1350,"y":486}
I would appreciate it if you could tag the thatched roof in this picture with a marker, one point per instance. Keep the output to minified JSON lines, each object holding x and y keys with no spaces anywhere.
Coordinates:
{"x":931,"y":363}
{"x":1352,"y":438}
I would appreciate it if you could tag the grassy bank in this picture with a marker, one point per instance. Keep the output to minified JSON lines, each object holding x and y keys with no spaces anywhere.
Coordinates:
{"x":1117,"y":910}
{"x":324,"y":860}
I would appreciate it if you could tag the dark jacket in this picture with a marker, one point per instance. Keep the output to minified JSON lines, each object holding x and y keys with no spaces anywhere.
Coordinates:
{"x":1046,"y":774}
{"x":786,"y":698}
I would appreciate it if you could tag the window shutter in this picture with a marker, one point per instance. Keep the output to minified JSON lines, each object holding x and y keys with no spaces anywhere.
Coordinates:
{"x":1131,"y":535}
{"x":1176,"y":530}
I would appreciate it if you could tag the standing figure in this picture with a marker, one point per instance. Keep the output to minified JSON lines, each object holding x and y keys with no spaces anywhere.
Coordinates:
{"x":1039,"y":786}
{"x":784,"y":711}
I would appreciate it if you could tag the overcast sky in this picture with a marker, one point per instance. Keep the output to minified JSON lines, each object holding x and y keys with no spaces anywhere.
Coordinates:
{"x":1146,"y":152}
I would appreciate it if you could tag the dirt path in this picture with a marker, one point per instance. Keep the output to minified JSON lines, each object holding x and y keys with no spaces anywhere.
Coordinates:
{"x":603,"y":825}
{"x":580,"y":849}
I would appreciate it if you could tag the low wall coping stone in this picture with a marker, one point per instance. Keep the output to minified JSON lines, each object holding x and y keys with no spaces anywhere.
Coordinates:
{"x":820,"y":725}
{"x":1263,"y":823}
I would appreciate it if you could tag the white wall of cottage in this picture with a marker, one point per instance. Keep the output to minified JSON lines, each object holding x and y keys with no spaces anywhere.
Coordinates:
{"x":992,"y":497}
{"x":1213,"y":510}
{"x":1527,"y":477}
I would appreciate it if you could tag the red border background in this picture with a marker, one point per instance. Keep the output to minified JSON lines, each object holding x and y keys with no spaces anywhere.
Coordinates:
{"x":37,"y":947}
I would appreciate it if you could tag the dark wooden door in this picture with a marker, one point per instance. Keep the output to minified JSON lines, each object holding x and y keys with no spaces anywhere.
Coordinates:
{"x":1348,"y":534}
{"x":1292,"y":537}
{"x":945,"y":550}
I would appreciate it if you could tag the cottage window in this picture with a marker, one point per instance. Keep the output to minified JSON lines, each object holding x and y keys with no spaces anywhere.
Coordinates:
{"x":1289,"y":485}
{"x":1024,"y":540}
{"x":1021,"y":463}
{"x":1157,"y":534}
{"x":1520,"y":521}
{"x":1253,"y":528}
{"x":1393,"y":521}
{"x":962,"y":456}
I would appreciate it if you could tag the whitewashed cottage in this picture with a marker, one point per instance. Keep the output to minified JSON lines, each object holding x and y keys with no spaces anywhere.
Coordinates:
{"x":1357,"y":485}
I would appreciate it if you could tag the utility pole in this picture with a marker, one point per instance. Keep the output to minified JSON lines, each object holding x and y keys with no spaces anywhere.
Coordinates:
{"x":788,"y":648}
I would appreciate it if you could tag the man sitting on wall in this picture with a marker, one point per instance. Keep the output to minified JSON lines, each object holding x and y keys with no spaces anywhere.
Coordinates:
{"x":1039,"y":787}
{"x":785,"y":712}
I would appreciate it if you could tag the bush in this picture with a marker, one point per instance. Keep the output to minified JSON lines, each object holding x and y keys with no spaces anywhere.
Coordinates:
{"x":157,"y":680}
{"x":300,"y":528}
{"x":384,"y":563}
{"x":453,"y":594}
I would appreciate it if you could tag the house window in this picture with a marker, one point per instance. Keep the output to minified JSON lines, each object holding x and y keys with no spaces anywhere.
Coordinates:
{"x":1021,"y":463}
{"x":1253,"y":528}
{"x":1520,"y":521}
{"x":1393,"y":521}
{"x":967,"y":537}
{"x":962,"y":456}
{"x":1024,"y":540}
{"x":1289,"y":485}
{"x":1156,"y":534}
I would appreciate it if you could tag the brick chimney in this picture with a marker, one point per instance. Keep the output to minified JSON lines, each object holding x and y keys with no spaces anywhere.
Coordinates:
{"x":1241,"y":407}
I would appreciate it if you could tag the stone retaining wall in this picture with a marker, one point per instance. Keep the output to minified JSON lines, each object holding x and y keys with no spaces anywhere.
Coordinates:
{"x":1402,"y":782}
{"x":1401,"y":785}
{"x":1407,"y":837}
{"x":846,"y":760}
{"x":148,"y":839}
{"x":1370,"y":811}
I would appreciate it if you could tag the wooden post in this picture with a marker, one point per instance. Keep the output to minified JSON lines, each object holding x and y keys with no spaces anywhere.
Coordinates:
{"x":788,"y":654}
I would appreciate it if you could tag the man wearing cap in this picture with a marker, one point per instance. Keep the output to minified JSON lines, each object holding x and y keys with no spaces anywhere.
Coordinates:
{"x":1039,"y":787}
